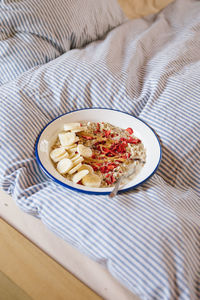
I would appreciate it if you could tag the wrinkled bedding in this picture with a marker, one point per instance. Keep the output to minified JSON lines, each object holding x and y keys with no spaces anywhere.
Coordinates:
{"x":148,"y":238}
{"x":33,"y":33}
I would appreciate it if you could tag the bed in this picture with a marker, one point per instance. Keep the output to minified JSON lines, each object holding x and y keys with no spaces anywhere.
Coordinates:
{"x":145,"y":243}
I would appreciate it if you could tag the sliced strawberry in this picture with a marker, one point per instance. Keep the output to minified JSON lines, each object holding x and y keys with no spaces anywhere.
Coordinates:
{"x":112,"y":179}
{"x":111,"y":167}
{"x":122,"y":139}
{"x":108,"y":182}
{"x":133,"y":141}
{"x":130,"y":130}
{"x":103,"y":169}
{"x":106,"y":150}
{"x":87,"y":137}
{"x":107,"y":133}
{"x":95,"y":168}
{"x":98,"y":127}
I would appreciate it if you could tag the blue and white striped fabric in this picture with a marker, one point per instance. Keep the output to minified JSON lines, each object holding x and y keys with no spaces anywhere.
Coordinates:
{"x":35,"y":32}
{"x":148,"y":238}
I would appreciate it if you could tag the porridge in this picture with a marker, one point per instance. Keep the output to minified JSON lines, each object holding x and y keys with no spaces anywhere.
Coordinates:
{"x":96,"y":154}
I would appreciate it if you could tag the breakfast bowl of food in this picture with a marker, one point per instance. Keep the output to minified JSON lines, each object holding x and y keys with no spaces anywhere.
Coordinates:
{"x":90,"y":150}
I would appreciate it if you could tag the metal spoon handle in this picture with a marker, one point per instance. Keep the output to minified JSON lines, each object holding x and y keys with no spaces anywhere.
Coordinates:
{"x":116,"y":188}
{"x":130,"y":172}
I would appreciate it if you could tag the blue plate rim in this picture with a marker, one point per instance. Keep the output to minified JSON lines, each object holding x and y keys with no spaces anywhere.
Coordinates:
{"x":85,"y":191}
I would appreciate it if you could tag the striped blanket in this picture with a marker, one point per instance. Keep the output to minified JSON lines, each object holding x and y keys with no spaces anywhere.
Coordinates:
{"x":148,"y":238}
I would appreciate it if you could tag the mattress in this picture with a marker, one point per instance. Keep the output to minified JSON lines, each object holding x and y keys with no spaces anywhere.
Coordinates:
{"x":155,"y":79}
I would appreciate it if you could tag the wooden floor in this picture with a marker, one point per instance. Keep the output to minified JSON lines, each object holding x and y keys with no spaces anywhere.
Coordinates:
{"x":28,"y":273}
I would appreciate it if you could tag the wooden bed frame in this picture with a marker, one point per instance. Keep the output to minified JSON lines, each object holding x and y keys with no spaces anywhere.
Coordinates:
{"x":26,"y":272}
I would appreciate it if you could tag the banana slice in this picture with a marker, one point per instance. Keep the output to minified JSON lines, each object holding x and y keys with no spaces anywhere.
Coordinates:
{"x":77,"y":139}
{"x":74,"y":169}
{"x":72,"y":151}
{"x":65,"y":155}
{"x":80,"y":175}
{"x":56,"y":153}
{"x":74,"y":157}
{"x":67,"y":139}
{"x":78,"y":160}
{"x":79,"y":129}
{"x":87,"y":167}
{"x":84,"y":151}
{"x":64,"y":165}
{"x":91,"y":180}
{"x":70,"y":147}
{"x":71,"y":126}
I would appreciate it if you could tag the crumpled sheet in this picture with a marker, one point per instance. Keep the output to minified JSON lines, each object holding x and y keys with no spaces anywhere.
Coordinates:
{"x":148,"y":238}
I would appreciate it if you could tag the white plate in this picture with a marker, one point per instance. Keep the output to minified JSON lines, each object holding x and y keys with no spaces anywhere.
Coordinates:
{"x":49,"y":134}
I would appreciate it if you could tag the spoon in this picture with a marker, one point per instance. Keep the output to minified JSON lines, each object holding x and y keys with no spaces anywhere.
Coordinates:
{"x":130,"y":172}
